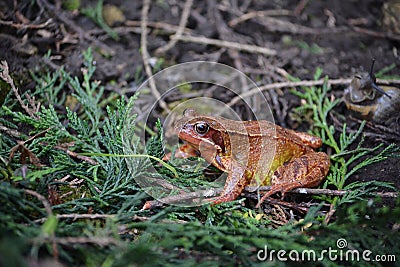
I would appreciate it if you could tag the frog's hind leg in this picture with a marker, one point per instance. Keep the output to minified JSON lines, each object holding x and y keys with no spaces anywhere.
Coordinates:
{"x":306,"y":171}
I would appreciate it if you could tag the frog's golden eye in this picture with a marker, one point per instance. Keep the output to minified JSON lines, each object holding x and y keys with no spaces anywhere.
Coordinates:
{"x":201,"y":127}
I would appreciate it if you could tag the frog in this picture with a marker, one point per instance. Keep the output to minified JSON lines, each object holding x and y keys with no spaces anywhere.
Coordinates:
{"x":254,"y":152}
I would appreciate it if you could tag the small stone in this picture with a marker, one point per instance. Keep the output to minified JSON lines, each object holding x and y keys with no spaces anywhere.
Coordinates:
{"x":112,"y":15}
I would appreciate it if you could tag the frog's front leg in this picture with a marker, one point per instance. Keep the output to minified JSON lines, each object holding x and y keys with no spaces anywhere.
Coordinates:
{"x":305,"y":171}
{"x":235,"y":182}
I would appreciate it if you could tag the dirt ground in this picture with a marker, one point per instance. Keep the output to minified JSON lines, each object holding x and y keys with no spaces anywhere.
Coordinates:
{"x":341,"y":37}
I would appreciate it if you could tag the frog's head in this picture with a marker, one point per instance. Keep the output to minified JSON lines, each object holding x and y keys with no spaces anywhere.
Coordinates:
{"x":195,"y":128}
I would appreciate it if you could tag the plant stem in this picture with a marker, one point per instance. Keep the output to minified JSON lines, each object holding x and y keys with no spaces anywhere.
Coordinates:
{"x":166,"y":165}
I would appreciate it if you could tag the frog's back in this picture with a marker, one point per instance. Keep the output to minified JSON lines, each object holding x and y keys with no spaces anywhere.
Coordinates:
{"x":260,"y":128}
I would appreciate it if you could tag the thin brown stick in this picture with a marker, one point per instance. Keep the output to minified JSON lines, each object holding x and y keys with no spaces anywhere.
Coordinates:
{"x":5,"y":75}
{"x":11,"y":132}
{"x":227,"y":44}
{"x":40,"y":134}
{"x":80,"y":216}
{"x":226,"y":34}
{"x":44,"y":201}
{"x":181,"y":27}
{"x":376,"y":34}
{"x":284,"y":84}
{"x":49,"y":211}
{"x":25,"y":152}
{"x":76,"y":155}
{"x":104,"y":216}
{"x":157,"y":25}
{"x":146,"y":56}
{"x":330,"y":213}
{"x":303,"y":83}
{"x":321,"y":191}
{"x":263,"y":13}
{"x":249,"y":189}
{"x":17,"y":134}
{"x":100,"y":241}
{"x":388,"y":82}
{"x":26,"y":26}
{"x":44,"y":4}
{"x":300,"y":7}
{"x":181,"y":197}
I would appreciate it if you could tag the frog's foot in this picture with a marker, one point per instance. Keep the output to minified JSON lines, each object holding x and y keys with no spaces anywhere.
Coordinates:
{"x":231,"y":192}
{"x":306,"y":171}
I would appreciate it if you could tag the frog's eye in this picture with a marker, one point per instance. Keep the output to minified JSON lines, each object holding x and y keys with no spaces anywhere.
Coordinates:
{"x":201,"y":127}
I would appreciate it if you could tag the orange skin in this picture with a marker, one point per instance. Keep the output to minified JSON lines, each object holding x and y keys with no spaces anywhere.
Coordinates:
{"x":240,"y":148}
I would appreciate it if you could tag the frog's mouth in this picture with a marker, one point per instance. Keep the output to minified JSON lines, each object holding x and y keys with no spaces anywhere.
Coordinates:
{"x":188,"y":150}
{"x":188,"y":139}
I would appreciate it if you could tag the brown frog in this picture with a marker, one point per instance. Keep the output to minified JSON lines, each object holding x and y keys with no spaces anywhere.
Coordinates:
{"x":253,"y":153}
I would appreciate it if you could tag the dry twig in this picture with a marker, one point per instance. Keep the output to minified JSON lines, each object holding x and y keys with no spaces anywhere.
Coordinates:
{"x":8,"y":131}
{"x":204,"y":194}
{"x":227,"y":44}
{"x":100,"y":241}
{"x":49,"y":211}
{"x":25,"y":152}
{"x":181,"y":198}
{"x":146,"y":56}
{"x":322,"y":191}
{"x":44,"y":201}
{"x":254,"y":14}
{"x":181,"y":27}
{"x":330,"y":213}
{"x":282,"y":85}
{"x":376,"y":34}
{"x":80,"y":216}
{"x":76,"y":155}
{"x":157,"y":25}
{"x":4,"y":74}
{"x":300,"y":7}
{"x":256,"y":90}
{"x":26,"y":26}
